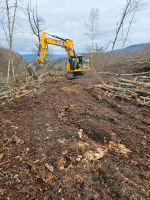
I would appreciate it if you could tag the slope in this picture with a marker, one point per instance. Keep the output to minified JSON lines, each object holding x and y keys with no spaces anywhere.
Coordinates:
{"x":72,"y":142}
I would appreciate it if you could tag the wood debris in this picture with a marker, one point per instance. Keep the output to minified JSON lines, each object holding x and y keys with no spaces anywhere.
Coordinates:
{"x":1,"y":156}
{"x":128,"y":89}
{"x":13,"y":90}
{"x":49,"y":167}
{"x":80,"y":133}
{"x":61,"y":163}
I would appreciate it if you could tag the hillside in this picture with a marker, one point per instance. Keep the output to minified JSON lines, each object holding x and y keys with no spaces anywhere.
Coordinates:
{"x":66,"y":129}
{"x":32,"y":57}
{"x":18,"y":62}
{"x":133,"y":49}
{"x":72,"y":141}
{"x":79,"y":139}
{"x":137,"y":48}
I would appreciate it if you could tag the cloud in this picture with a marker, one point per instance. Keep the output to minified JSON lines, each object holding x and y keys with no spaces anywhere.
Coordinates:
{"x":66,"y":18}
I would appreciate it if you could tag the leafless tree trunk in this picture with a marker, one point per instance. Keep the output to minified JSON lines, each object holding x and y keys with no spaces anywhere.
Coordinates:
{"x":92,"y":27}
{"x":131,"y":8}
{"x":8,"y":24}
{"x":36,"y":22}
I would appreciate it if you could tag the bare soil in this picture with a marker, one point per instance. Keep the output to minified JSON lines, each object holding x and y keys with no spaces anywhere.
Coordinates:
{"x":73,"y":142}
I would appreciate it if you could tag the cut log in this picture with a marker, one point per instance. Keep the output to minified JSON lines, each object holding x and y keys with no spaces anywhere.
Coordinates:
{"x":134,"y":74}
{"x":135,"y":90}
{"x":137,"y":84}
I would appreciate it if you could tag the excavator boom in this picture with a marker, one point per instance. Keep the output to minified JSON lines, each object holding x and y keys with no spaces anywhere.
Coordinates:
{"x":75,"y":64}
{"x":64,"y":43}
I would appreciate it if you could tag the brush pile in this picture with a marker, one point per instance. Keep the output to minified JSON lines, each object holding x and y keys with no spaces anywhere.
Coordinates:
{"x":14,"y":89}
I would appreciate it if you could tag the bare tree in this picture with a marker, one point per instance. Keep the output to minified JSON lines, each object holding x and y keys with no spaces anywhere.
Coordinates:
{"x":36,"y":22}
{"x":130,"y":9}
{"x":92,"y":31}
{"x":8,"y":24}
{"x":92,"y":26}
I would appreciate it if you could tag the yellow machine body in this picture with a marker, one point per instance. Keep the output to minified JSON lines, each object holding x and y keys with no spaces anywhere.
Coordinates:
{"x":76,"y":64}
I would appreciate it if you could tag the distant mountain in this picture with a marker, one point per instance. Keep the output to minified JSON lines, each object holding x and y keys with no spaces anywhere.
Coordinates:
{"x":33,"y":57}
{"x":137,"y":48}
{"x":29,"y":57}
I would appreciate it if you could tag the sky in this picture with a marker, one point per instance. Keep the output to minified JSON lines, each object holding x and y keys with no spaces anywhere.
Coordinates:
{"x":66,"y":18}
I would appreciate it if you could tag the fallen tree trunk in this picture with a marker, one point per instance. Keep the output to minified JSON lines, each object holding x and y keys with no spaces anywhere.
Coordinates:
{"x":134,"y":74}
{"x":128,"y":85}
{"x":133,"y":90}
{"x":135,"y":83}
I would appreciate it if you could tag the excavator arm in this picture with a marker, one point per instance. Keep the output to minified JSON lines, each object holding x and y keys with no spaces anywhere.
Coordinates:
{"x":64,"y":43}
{"x":76,"y":65}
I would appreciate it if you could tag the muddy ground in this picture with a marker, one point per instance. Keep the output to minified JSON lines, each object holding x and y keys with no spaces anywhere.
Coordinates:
{"x":71,"y":141}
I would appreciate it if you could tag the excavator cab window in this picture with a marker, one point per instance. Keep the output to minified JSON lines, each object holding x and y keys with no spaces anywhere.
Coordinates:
{"x":83,"y":60}
{"x":77,"y":62}
{"x":72,"y":63}
{"x":80,"y":58}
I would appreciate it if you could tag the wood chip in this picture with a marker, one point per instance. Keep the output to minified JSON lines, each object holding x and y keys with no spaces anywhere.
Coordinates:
{"x":61,"y":141}
{"x":50,"y":168}
{"x":1,"y":156}
{"x":61,"y":163}
{"x":80,"y":133}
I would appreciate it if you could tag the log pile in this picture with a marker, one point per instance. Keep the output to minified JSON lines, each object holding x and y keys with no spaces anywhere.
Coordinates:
{"x":138,"y":89}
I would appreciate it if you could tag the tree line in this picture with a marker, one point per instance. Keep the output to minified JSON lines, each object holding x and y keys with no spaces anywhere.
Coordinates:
{"x":11,"y":8}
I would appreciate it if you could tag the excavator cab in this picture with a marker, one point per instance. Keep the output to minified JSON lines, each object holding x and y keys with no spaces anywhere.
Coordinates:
{"x":77,"y":65}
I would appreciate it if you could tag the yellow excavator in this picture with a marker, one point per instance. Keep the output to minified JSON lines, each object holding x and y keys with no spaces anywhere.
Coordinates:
{"x":76,"y":65}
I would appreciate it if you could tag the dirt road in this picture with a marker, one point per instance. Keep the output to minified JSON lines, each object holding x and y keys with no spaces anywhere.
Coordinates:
{"x":72,"y":142}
